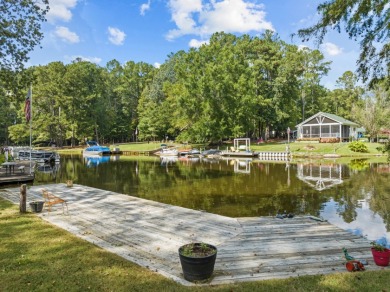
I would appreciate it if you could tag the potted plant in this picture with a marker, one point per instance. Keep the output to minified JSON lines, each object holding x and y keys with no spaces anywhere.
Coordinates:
{"x":36,"y":206}
{"x":197,"y":260}
{"x":69,"y":183}
{"x":380,"y":253}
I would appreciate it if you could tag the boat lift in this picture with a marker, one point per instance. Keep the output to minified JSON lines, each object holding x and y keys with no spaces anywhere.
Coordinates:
{"x":242,"y":144}
{"x":241,"y":148}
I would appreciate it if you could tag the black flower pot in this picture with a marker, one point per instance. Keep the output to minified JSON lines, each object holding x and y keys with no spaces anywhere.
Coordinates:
{"x":197,"y":267}
{"x":37,"y":206}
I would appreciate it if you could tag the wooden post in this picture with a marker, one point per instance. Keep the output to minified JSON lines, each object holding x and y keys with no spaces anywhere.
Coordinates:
{"x":23,"y":198}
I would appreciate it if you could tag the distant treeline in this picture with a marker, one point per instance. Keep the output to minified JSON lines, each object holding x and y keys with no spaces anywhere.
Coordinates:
{"x":232,"y":87}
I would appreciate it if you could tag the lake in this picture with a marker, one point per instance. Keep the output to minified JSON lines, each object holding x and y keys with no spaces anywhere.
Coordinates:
{"x":353,"y":194}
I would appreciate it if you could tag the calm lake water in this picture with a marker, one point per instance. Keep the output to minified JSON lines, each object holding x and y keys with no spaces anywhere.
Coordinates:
{"x":354,"y":195}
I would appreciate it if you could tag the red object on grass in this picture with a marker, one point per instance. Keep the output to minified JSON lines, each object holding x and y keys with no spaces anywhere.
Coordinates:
{"x":381,"y":258}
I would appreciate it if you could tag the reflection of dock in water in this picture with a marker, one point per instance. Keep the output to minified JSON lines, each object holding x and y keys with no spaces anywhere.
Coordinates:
{"x":240,"y":165}
{"x":320,"y":176}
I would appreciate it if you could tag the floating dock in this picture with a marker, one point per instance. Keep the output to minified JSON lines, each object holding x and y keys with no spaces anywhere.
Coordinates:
{"x":249,"y":249}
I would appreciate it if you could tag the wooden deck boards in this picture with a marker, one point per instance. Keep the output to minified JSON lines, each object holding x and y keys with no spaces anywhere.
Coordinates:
{"x":16,"y":177}
{"x":150,"y":233}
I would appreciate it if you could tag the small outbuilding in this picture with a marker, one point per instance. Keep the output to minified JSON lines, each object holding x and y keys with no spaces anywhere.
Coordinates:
{"x":327,"y":126}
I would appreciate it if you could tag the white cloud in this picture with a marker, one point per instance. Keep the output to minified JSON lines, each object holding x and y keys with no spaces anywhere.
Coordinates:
{"x":66,"y":35}
{"x":227,"y":15}
{"x":157,"y":65}
{"x":145,"y":7}
{"x":60,"y":10}
{"x":302,"y":47}
{"x":117,"y":37}
{"x":95,"y":60}
{"x":196,"y":43}
{"x":332,"y":49}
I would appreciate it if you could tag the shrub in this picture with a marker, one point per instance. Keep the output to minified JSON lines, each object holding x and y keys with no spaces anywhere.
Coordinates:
{"x":358,"y":146}
{"x":329,"y":140}
{"x":308,"y":139}
{"x":386,"y":148}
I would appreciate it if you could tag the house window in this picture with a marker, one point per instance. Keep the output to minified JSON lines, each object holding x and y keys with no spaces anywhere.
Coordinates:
{"x":335,"y":130}
{"x":325,"y":131}
{"x":315,"y":131}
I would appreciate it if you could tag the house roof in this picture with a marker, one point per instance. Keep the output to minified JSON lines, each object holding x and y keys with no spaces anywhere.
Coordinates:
{"x":336,"y":118}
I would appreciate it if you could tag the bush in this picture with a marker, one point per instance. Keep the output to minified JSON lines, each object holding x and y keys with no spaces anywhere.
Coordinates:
{"x":308,"y":139}
{"x":329,"y":140}
{"x":386,"y":148}
{"x":358,"y":146}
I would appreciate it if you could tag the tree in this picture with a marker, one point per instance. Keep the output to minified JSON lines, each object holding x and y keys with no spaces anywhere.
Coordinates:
{"x":48,"y":94}
{"x":83,"y":102}
{"x":367,"y":20}
{"x":313,"y":68}
{"x":341,"y":100}
{"x":155,"y":116}
{"x":375,"y":113}
{"x":20,"y":30}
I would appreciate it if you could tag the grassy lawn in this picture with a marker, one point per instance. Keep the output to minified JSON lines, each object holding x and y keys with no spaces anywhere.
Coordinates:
{"x":301,"y":148}
{"x":297,"y":148}
{"x":37,"y":256}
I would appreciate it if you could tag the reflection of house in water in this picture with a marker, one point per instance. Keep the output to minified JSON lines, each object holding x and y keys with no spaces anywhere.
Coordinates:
{"x":321,"y":176}
{"x":383,"y":168}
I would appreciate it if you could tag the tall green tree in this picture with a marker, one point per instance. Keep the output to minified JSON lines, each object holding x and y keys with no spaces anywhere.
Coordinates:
{"x":348,"y":94}
{"x":83,"y":101}
{"x":20,"y":30}
{"x":134,"y":79}
{"x":113,"y":74}
{"x":155,"y":110}
{"x":48,"y":94}
{"x":313,"y":68}
{"x":364,"y":20}
{"x":374,"y":113}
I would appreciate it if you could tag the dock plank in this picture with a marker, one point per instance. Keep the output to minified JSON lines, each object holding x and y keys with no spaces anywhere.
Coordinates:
{"x":150,"y":233}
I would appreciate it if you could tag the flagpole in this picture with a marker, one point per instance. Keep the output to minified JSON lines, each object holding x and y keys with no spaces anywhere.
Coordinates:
{"x":30,"y":124}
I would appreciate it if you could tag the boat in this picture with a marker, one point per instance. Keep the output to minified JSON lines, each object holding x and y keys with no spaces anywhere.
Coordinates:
{"x":94,"y":149}
{"x":39,"y":155}
{"x":46,"y":168}
{"x":189,"y":152}
{"x":167,"y":151}
{"x":211,"y":153}
{"x":93,"y":161}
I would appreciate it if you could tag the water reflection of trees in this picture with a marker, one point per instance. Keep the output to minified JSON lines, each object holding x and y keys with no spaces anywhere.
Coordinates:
{"x":371,"y":185}
{"x":213,"y":186}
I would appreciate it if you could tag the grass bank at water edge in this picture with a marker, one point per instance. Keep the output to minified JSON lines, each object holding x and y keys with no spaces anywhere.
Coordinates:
{"x":37,"y":256}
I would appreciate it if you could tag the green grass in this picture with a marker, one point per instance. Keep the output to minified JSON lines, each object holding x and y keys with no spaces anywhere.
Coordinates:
{"x":138,"y":146}
{"x":37,"y":256}
{"x":123,"y":147}
{"x":310,"y":149}
{"x":297,"y":148}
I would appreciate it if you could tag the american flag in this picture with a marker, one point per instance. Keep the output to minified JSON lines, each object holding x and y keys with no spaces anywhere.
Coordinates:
{"x":27,"y":106}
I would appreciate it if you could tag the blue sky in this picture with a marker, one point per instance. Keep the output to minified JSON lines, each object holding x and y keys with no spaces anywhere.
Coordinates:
{"x":149,"y":30}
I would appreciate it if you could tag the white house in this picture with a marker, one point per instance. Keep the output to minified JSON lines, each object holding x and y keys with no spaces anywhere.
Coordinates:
{"x":324,"y":125}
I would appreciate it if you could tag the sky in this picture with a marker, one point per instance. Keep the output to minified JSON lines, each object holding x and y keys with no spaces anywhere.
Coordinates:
{"x":149,"y":30}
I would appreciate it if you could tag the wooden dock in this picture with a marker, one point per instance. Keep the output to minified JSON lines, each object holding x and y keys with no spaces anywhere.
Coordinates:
{"x":249,"y":249}
{"x":17,"y":176}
